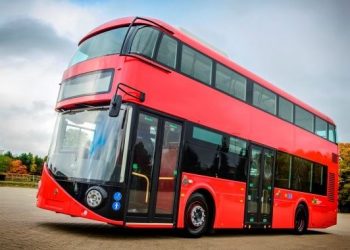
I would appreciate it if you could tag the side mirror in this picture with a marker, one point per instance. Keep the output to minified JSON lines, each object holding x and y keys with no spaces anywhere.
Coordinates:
{"x":115,"y":106}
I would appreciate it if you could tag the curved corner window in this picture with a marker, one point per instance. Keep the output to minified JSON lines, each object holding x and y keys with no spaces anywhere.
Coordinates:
{"x":144,"y":42}
{"x":167,"y":51}
{"x":96,"y":82}
{"x":332,"y":133}
{"x":106,"y":43}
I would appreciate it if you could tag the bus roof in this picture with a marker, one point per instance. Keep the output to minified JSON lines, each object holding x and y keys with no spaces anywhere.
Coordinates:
{"x":208,"y":51}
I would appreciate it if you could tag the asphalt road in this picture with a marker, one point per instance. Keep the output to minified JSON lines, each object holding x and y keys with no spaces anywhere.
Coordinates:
{"x":24,"y":226}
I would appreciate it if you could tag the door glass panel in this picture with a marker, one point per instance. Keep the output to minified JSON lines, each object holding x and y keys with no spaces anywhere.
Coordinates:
{"x":253,"y":184}
{"x":142,"y":164}
{"x":168,"y":168}
{"x":267,"y":186}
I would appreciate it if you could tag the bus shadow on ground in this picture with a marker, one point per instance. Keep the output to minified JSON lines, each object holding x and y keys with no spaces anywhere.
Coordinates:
{"x":109,"y":231}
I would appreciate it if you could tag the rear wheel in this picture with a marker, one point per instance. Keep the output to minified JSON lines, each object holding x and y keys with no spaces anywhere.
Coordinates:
{"x":196,"y":216}
{"x":301,"y":220}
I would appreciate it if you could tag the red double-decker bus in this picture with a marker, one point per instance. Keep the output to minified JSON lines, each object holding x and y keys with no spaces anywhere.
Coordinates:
{"x":156,"y":130}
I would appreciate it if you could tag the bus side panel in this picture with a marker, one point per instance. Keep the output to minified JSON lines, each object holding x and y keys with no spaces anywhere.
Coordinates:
{"x":282,"y":209}
{"x":322,"y":213}
{"x":228,"y":197}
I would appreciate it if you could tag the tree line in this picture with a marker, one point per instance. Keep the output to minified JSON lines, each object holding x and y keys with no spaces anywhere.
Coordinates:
{"x":25,"y":163}
{"x":344,"y":177}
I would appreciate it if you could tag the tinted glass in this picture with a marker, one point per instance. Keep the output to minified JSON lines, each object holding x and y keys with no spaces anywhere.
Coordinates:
{"x":168,"y":168}
{"x":199,"y":159}
{"x":234,"y":163}
{"x":319,"y":179}
{"x":253,"y":198}
{"x":145,"y":41}
{"x":264,"y":99}
{"x":283,"y":168}
{"x":321,"y":127}
{"x":167,"y":51}
{"x":331,"y":133}
{"x":142,"y":164}
{"x":87,"y":84}
{"x":207,"y":136}
{"x":301,"y":175}
{"x":238,"y":146}
{"x":265,"y":208}
{"x":196,"y":65}
{"x":230,"y":82}
{"x":106,"y":43}
{"x":304,"y":119}
{"x":285,"y":109}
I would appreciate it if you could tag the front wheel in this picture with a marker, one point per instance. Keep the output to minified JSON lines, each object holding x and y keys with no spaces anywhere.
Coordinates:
{"x":300,"y":222}
{"x":196,"y":216}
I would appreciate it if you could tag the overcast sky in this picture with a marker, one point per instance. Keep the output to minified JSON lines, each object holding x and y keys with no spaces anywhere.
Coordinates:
{"x":301,"y":46}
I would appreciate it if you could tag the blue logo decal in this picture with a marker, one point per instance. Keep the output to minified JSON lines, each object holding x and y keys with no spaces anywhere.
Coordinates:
{"x":116,"y":206}
{"x":117,"y":196}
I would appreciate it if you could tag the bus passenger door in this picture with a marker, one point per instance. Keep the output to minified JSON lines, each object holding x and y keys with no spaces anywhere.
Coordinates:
{"x":259,"y":187}
{"x":154,"y":164}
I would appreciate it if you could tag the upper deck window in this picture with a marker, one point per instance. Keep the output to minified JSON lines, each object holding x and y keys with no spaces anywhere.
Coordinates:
{"x":264,"y":99}
{"x":331,"y":133}
{"x":106,"y":43}
{"x":167,"y":51}
{"x":96,"y":82}
{"x":321,"y":127}
{"x":285,"y":109}
{"x":304,"y":119}
{"x":230,"y":82}
{"x":145,"y":41}
{"x":196,"y":65}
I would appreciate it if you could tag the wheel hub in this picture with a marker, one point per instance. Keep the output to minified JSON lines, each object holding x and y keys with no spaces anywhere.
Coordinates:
{"x":198,"y":216}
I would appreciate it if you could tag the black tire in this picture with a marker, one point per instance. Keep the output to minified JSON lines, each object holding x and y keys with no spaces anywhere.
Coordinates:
{"x":300,"y":220}
{"x":197,"y":216}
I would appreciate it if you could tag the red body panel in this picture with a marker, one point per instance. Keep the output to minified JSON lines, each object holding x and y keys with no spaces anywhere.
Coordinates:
{"x":229,"y":199}
{"x":322,"y":212}
{"x":177,"y":95}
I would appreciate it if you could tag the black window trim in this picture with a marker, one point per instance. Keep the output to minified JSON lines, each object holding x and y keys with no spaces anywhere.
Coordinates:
{"x":290,"y":173}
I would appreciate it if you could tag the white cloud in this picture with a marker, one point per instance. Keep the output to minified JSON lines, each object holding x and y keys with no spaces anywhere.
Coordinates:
{"x":68,"y":19}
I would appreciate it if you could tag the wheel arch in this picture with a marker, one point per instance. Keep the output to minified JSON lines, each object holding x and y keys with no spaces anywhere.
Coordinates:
{"x":208,"y":193}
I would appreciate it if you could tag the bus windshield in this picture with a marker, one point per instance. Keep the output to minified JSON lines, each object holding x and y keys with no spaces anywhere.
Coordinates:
{"x":106,"y":43}
{"x":88,"y":145}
